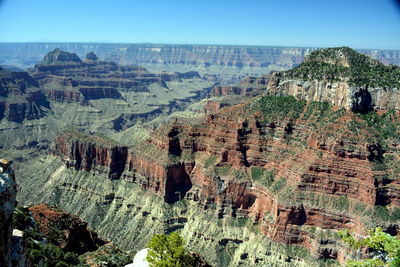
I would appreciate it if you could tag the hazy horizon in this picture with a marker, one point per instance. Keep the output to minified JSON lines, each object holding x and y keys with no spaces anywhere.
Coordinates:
{"x":189,"y":44}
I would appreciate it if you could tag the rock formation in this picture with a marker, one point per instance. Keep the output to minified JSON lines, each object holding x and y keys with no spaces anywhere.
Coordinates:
{"x":287,"y":165}
{"x":65,"y":230}
{"x":249,"y":86}
{"x":20,"y":97}
{"x":343,"y":78}
{"x":8,"y":193}
{"x":89,"y":94}
{"x":322,"y":77}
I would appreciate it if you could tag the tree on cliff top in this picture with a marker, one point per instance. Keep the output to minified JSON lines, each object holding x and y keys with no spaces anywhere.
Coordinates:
{"x":383,"y":249}
{"x":168,"y":251}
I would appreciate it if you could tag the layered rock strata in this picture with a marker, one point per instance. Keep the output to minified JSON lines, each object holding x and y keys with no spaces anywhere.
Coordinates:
{"x":321,"y":77}
{"x":20,"y":97}
{"x":279,"y":172}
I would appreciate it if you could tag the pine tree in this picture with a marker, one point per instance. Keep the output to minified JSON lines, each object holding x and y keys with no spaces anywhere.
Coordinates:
{"x":168,"y":251}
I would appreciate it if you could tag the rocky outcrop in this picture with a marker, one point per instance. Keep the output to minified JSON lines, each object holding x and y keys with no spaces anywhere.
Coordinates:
{"x":177,"y":76}
{"x":65,"y":230}
{"x":342,"y":77}
{"x":8,"y":193}
{"x":341,"y":94}
{"x":92,"y":56}
{"x":60,"y":56}
{"x":64,"y":96}
{"x":249,"y":86}
{"x":91,"y":156}
{"x":20,"y":97}
{"x":321,"y":77}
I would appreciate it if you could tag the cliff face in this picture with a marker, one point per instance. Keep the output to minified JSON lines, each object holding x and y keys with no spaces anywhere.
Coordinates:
{"x":339,"y":76}
{"x":289,"y":166}
{"x":8,"y":193}
{"x":249,"y":86}
{"x":340,"y":94}
{"x":20,"y":97}
{"x":90,"y":156}
{"x":253,"y":183}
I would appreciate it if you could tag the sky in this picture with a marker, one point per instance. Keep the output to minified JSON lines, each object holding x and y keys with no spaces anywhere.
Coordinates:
{"x":315,"y":23}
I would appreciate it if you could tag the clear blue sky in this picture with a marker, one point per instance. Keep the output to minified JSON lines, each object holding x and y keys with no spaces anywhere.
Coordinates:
{"x":318,"y":23}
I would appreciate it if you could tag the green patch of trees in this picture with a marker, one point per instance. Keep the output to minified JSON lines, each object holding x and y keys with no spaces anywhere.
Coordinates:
{"x":382,"y":249}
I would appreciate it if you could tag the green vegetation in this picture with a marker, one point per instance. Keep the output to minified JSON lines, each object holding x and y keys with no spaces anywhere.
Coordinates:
{"x":383,"y":249}
{"x":385,"y":126}
{"x":264,"y":177}
{"x":382,"y":213}
{"x":41,"y":253}
{"x":109,"y":254}
{"x":278,"y":185}
{"x":336,"y":64}
{"x":341,"y":203}
{"x":48,"y":255}
{"x":168,"y":251}
{"x":276,"y":108}
{"x":210,"y":161}
{"x":320,"y":110}
{"x":239,"y":175}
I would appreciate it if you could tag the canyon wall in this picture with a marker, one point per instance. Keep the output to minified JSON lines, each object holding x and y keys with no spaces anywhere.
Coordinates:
{"x":27,"y":54}
{"x":341,"y":94}
{"x":339,"y":76}
{"x":295,"y":176}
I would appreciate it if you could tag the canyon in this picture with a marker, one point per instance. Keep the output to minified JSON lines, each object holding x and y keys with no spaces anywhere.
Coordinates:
{"x":89,"y":94}
{"x":266,"y":171}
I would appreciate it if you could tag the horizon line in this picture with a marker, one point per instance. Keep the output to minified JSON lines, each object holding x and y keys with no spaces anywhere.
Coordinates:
{"x":186,"y":44}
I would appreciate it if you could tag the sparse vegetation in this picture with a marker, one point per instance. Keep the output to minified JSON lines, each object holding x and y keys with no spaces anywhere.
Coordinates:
{"x":343,"y":63}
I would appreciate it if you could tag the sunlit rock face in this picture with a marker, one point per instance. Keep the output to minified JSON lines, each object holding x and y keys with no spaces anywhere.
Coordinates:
{"x":267,"y":181}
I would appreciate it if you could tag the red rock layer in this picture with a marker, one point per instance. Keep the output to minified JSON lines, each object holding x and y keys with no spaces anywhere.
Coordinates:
{"x":66,"y":231}
{"x":313,"y":165}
